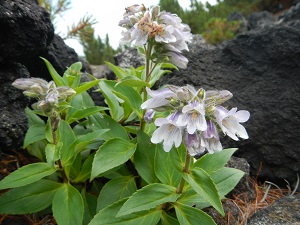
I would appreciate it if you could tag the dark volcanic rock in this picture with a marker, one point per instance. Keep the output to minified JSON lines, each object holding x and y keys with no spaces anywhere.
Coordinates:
{"x":26,"y":29}
{"x":258,"y":20}
{"x":13,"y":121}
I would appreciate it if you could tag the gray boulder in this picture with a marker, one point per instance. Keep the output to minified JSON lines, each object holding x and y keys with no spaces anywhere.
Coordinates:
{"x":284,"y":211}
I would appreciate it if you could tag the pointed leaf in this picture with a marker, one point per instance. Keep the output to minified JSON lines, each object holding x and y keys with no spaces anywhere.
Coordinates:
{"x":203,"y":184}
{"x":191,"y":216}
{"x":164,"y":168}
{"x":118,"y":71}
{"x":107,"y":216}
{"x":133,"y":81}
{"x":116,"y":111}
{"x":26,"y":175}
{"x":115,"y":190}
{"x":86,"y":86}
{"x":213,"y":162}
{"x":28,"y":199}
{"x":131,"y":97}
{"x":116,"y":130}
{"x":226,"y":179}
{"x":166,"y":219}
{"x":111,"y":154}
{"x":90,"y":204}
{"x":149,"y":197}
{"x":83,"y":113}
{"x":67,"y":206}
{"x":59,"y":81}
{"x":34,"y":133}
{"x":144,"y":158}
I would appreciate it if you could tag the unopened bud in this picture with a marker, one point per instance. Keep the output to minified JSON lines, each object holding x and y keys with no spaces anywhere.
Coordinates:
{"x":217,"y":97}
{"x":64,"y":92}
{"x":149,"y":115}
{"x":201,"y":94}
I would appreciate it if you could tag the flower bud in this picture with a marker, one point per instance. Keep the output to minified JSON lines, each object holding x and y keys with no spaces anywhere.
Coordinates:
{"x":149,"y":115}
{"x":52,"y":98}
{"x":64,"y":92}
{"x":217,"y":97}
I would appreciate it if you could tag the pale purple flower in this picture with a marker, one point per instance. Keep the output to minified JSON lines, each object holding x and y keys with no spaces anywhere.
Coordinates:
{"x":163,"y":33}
{"x":193,"y":117}
{"x":131,"y":10}
{"x":160,"y":99}
{"x":192,"y":143}
{"x":177,"y":59}
{"x":149,"y":115}
{"x":229,"y":121}
{"x":210,"y":138}
{"x":214,"y":97}
{"x":168,"y":132}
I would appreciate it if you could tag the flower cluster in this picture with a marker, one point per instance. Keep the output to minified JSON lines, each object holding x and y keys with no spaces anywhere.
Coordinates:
{"x":165,"y":31}
{"x":196,"y":117}
{"x":47,"y":93}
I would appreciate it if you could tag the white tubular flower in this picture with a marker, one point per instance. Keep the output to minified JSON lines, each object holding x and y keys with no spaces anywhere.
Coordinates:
{"x":160,"y":99}
{"x":177,"y":59}
{"x":168,"y":132}
{"x":210,"y":138}
{"x":193,"y":117}
{"x":192,"y":143}
{"x":131,"y":10}
{"x":229,"y":121}
{"x":163,"y":33}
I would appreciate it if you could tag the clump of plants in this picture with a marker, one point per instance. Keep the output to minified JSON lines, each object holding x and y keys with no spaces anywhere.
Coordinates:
{"x":218,"y":30}
{"x":112,"y":164}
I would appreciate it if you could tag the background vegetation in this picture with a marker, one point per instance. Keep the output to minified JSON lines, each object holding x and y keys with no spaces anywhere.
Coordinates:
{"x":208,"y":20}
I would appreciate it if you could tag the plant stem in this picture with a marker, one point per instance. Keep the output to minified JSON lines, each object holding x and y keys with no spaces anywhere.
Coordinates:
{"x":186,"y":169}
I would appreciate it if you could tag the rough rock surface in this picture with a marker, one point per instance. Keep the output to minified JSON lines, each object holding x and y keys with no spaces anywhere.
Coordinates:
{"x":284,"y":211}
{"x":26,"y":29}
{"x":13,"y":122}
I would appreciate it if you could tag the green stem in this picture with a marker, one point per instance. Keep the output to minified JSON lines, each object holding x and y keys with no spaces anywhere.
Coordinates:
{"x":186,"y":169}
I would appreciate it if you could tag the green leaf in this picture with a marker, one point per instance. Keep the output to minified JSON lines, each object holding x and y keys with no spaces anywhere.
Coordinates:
{"x":226,"y":179}
{"x":213,"y":162}
{"x":157,"y":74}
{"x":83,"y":113}
{"x":90,"y":204}
{"x":28,"y":199}
{"x":107,"y":216}
{"x":131,"y":97}
{"x":144,"y":158}
{"x":192,"y":198}
{"x":132,"y":81}
{"x":118,"y":71}
{"x":26,"y":175}
{"x":68,"y":206}
{"x":59,"y":81}
{"x":116,"y":130}
{"x":84,"y":140}
{"x":116,"y":111}
{"x":191,"y":216}
{"x":51,"y":154}
{"x":67,"y":137}
{"x":115,"y":190}
{"x":203,"y":184}
{"x":33,"y":119}
{"x":85,"y":171}
{"x":112,"y":153}
{"x":149,"y":197}
{"x":34,"y":133}
{"x":86,"y":86}
{"x":164,"y":168}
{"x":178,"y":156}
{"x":166,"y":219}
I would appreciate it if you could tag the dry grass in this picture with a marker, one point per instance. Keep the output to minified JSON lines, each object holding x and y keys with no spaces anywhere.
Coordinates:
{"x":265,"y":195}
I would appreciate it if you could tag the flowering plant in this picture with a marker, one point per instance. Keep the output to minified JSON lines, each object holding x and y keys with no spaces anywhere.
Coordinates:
{"x":106,"y":165}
